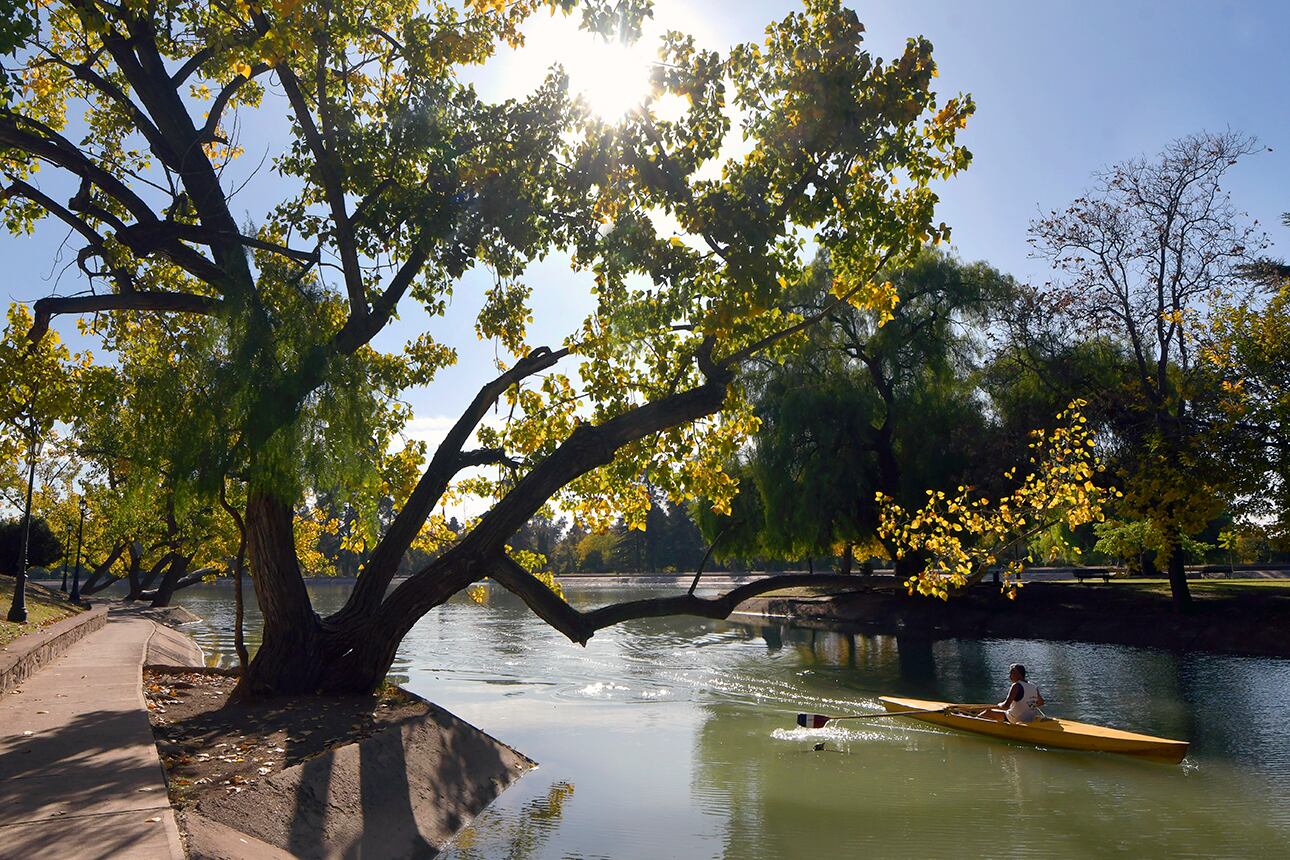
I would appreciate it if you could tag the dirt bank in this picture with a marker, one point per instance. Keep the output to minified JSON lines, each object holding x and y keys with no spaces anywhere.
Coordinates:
{"x":384,"y":776}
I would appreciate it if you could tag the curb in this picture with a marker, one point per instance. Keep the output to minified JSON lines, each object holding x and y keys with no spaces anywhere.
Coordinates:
{"x":24,"y":655}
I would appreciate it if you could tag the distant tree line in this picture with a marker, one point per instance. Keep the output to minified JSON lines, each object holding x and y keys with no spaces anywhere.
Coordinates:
{"x":1161,"y":315}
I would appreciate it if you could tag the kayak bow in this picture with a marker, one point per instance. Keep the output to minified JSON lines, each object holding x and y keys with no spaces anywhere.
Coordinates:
{"x":1048,"y":732}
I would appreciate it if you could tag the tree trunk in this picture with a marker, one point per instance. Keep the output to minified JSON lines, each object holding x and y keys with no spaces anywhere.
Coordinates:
{"x":239,"y":567}
{"x":352,"y":651}
{"x":101,"y":578}
{"x":166,"y":589}
{"x":1178,"y":587}
{"x":349,"y":653}
{"x":136,"y":562}
{"x":140,"y":589}
{"x":291,"y":656}
{"x":300,"y":653}
{"x":847,"y":560}
{"x":239,"y":637}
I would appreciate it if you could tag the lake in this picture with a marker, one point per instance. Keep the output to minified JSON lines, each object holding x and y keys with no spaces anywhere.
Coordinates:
{"x":676,"y":738}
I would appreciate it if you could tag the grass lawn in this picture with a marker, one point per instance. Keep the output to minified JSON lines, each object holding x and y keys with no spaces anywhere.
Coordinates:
{"x":44,"y":607}
{"x":1203,"y":586}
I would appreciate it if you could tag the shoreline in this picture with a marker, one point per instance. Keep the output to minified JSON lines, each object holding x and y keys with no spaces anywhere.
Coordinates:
{"x":1242,"y":624}
{"x":438,"y":772}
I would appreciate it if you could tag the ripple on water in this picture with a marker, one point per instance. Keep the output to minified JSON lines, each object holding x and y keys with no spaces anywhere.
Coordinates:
{"x":605,"y":691}
{"x":837,"y":734}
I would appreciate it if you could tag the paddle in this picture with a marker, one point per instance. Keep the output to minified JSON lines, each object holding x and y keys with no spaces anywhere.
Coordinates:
{"x":817,"y":721}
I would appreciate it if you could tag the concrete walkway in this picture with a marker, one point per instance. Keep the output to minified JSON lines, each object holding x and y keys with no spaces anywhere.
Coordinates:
{"x":79,"y":772}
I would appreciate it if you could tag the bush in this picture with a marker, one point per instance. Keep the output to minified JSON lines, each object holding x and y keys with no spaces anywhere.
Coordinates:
{"x":43,"y":548}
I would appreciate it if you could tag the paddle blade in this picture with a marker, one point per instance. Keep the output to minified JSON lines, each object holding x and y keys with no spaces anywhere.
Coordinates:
{"x":812,"y":721}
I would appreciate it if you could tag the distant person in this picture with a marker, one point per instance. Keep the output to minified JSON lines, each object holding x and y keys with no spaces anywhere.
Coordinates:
{"x":1023,"y":702}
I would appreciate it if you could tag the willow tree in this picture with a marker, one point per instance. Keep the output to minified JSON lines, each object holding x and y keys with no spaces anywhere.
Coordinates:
{"x":397,"y":179}
{"x":873,"y":402}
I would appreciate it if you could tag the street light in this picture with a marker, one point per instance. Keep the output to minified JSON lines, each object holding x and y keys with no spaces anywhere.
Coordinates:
{"x":67,"y":541}
{"x":76,"y":576}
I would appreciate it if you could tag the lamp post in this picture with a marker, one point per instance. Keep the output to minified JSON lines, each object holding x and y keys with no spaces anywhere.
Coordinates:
{"x":67,"y":542}
{"x":18,"y":609}
{"x":76,"y":576}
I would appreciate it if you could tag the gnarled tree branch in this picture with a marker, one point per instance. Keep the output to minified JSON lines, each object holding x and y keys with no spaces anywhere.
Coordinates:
{"x":47,"y":308}
{"x":587,"y":448}
{"x":581,"y":626}
{"x":444,"y":465}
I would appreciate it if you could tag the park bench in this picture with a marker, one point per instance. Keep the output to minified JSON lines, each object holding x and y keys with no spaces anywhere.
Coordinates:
{"x":1083,"y":573}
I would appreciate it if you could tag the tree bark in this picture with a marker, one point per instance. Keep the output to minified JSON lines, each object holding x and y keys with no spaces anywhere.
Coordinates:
{"x":1178,"y":587}
{"x":239,"y":604}
{"x":101,"y":578}
{"x":239,"y":567}
{"x":132,"y":575}
{"x":170,"y":581}
{"x":291,"y":657}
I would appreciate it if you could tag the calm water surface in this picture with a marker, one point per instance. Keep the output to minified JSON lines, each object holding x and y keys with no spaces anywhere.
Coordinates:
{"x":675,"y":738}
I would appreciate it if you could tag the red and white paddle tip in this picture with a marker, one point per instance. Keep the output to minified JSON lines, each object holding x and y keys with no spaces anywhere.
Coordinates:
{"x":812,"y":721}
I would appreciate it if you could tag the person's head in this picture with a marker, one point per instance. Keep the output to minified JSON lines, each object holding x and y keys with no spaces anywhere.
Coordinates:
{"x":1016,"y":672}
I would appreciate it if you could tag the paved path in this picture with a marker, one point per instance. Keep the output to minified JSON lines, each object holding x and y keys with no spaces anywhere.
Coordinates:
{"x":79,"y":772}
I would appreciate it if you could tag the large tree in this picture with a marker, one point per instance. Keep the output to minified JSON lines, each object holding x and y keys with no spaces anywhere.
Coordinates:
{"x":1141,"y":258}
{"x":1250,"y":348}
{"x":38,"y":391}
{"x":396,"y":180}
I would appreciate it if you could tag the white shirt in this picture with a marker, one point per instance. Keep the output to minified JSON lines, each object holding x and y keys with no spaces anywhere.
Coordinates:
{"x":1026,"y":708}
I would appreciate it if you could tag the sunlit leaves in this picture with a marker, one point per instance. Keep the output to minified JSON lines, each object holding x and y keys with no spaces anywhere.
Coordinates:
{"x":839,"y":149}
{"x":505,"y":315}
{"x":40,"y":383}
{"x":398,"y":179}
{"x":959,"y":536}
{"x":1249,"y":350}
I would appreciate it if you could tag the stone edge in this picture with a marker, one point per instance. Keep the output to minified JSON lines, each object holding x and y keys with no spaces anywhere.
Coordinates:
{"x":22,"y":657}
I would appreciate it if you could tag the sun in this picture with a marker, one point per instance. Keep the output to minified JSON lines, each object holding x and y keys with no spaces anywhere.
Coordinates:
{"x":611,"y":77}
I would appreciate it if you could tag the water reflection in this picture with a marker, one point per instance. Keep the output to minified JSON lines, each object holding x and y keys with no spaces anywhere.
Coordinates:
{"x":493,"y":835}
{"x":680,"y":736}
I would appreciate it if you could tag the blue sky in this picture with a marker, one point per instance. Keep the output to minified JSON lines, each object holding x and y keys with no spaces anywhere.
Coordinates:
{"x":1062,"y":89}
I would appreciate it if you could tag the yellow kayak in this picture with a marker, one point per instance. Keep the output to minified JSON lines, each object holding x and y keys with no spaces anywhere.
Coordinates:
{"x":1060,"y":734}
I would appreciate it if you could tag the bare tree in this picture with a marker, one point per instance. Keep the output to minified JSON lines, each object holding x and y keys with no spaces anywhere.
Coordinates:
{"x":1140,"y":259}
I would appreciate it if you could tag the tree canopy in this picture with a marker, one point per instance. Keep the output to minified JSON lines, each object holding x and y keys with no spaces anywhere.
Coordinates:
{"x":397,"y":179}
{"x":43,"y":547}
{"x":1250,"y":347}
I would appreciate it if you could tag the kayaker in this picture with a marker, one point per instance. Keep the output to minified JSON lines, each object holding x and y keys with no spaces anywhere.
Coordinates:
{"x":1023,"y":702}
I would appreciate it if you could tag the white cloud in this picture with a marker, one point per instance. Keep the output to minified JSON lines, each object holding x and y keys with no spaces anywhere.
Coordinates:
{"x":430,"y":429}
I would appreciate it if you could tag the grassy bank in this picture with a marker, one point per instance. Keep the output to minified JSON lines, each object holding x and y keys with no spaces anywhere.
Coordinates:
{"x":1228,"y":616}
{"x":44,"y":607}
{"x":1199,"y":587}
